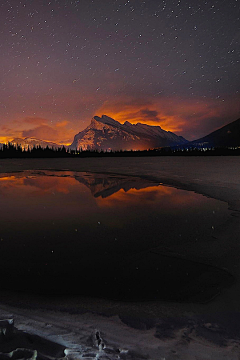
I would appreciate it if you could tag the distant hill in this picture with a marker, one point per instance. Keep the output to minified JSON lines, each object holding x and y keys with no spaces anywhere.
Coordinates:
{"x":105,"y":133}
{"x":226,"y":136}
{"x":31,"y":142}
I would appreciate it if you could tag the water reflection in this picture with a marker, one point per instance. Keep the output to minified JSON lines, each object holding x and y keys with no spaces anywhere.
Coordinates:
{"x":104,"y":235}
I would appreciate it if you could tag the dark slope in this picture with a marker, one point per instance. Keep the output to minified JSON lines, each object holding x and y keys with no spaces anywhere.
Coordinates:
{"x":226,"y":136}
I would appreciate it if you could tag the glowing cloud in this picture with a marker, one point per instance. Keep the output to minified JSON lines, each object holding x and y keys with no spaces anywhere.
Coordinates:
{"x":149,"y":112}
{"x":190,"y":118}
{"x":39,"y":128}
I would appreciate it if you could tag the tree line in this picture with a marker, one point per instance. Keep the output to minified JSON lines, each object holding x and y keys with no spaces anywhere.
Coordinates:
{"x":16,"y":151}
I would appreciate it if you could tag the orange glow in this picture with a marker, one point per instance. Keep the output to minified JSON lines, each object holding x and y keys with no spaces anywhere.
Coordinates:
{"x":168,"y":195}
{"x":14,"y":179}
{"x":5,"y":139}
{"x":60,"y":132}
{"x":189,"y":118}
{"x":38,"y":185}
{"x":65,"y":182}
{"x":46,"y":184}
{"x":143,"y":112}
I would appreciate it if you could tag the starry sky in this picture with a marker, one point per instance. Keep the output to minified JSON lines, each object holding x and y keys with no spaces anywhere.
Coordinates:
{"x":173,"y":63}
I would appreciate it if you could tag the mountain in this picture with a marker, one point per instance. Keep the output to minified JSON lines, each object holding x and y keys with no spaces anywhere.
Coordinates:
{"x":31,"y":142}
{"x":226,"y":136}
{"x":105,"y":133}
{"x":104,"y":185}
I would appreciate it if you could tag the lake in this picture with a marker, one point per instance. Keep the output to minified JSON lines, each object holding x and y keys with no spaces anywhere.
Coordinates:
{"x":105,"y":235}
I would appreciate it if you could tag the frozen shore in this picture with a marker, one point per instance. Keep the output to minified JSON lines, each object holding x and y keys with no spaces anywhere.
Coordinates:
{"x":99,"y":329}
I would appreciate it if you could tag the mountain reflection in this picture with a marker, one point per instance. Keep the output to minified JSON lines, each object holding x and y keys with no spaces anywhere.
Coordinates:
{"x":107,"y":190}
{"x":104,"y":185}
{"x":100,"y":185}
{"x":60,"y":227}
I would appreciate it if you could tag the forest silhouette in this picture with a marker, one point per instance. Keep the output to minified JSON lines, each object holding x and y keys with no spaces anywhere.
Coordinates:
{"x":16,"y":151}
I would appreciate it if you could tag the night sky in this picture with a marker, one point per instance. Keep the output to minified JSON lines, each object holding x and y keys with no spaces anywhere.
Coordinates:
{"x":172,"y":63}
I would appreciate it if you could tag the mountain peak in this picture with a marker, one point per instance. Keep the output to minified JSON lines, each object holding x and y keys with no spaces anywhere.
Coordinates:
{"x":106,"y":120}
{"x":105,"y":133}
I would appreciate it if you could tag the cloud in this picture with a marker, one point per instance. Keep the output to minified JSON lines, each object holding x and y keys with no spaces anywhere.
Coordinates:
{"x":8,"y":134}
{"x":58,"y":133}
{"x":35,"y":120}
{"x":37,"y":127}
{"x":62,"y":123}
{"x":152,"y":115}
{"x":143,"y":110}
{"x":191,"y":118}
{"x":31,"y":121}
{"x":43,"y":132}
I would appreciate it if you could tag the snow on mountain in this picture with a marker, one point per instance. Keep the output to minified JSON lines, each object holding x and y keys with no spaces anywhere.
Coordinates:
{"x":30,"y":142}
{"x":155,"y":131}
{"x":107,"y":120}
{"x":105,"y":133}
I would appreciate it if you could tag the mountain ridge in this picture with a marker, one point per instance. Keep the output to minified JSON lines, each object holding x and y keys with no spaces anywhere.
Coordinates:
{"x":226,"y":136}
{"x":105,"y":133}
{"x":30,"y":142}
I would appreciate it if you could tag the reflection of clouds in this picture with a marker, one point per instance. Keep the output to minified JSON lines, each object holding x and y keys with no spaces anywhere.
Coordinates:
{"x":44,"y":196}
{"x":9,"y":183}
{"x":61,"y":197}
{"x":38,"y":185}
{"x":46,"y":183}
{"x":11,"y":180}
{"x":107,"y":192}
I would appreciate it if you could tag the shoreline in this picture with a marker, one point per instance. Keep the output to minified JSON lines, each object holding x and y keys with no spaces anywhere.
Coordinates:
{"x":217,"y":178}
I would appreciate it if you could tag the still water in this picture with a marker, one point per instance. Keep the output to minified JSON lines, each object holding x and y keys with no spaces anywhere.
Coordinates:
{"x":69,"y":233}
